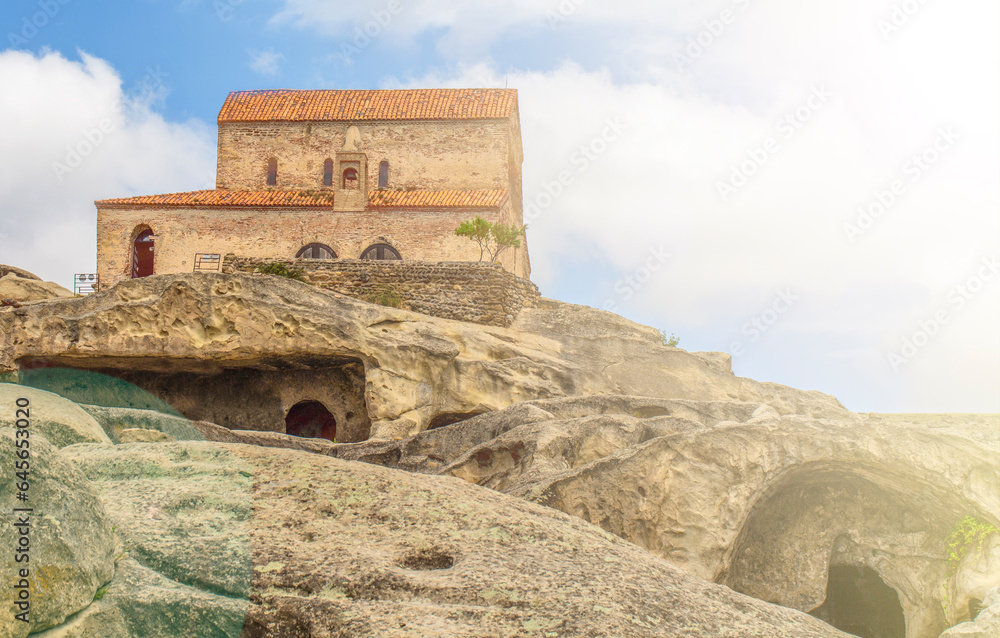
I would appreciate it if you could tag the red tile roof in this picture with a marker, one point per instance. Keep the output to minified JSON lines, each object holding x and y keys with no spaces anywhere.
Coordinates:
{"x":438,"y":199}
{"x":284,"y":105}
{"x":306,"y":199}
{"x":226,"y":198}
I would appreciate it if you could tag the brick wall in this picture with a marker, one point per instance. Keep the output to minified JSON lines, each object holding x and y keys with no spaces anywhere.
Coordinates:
{"x":479,"y":292}
{"x":430,"y":155}
{"x":279,"y":233}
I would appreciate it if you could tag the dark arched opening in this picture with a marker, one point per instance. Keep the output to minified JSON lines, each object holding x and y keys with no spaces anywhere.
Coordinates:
{"x":450,"y":418}
{"x":383,"y":174}
{"x":315,"y":251}
{"x":380,"y":251}
{"x":328,"y":173}
{"x":350,"y":179}
{"x":311,"y":419}
{"x":859,"y":602}
{"x":272,"y":172}
{"x":142,"y":254}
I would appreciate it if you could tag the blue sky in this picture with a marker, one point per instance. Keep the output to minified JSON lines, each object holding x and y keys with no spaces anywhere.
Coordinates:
{"x":825,"y":177}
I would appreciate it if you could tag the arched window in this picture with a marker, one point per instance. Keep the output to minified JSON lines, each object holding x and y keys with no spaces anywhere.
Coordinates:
{"x":316,"y":251}
{"x":328,"y":173}
{"x":383,"y":174}
{"x":351,"y":178}
{"x":380,"y":251}
{"x":272,"y":172}
{"x":311,"y":419}
{"x":142,"y":254}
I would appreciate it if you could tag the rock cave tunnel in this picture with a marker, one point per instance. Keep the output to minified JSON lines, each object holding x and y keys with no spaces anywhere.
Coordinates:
{"x":320,"y":397}
{"x":849,"y":545}
{"x":859,"y":602}
{"x":311,"y":419}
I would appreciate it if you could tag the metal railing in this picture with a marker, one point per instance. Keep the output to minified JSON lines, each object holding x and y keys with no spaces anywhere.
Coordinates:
{"x":86,"y":283}
{"x":207,"y":262}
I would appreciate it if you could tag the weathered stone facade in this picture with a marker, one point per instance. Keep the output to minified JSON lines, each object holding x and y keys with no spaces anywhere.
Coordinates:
{"x":432,"y":155}
{"x":479,"y":292}
{"x":183,"y":232}
{"x":342,"y":170}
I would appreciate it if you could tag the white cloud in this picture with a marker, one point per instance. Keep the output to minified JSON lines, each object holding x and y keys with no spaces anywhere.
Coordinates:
{"x":265,"y":62}
{"x":657,"y":185}
{"x":81,"y":136}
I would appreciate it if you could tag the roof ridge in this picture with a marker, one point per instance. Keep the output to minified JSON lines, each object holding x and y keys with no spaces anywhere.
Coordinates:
{"x":223,"y":198}
{"x":311,"y":105}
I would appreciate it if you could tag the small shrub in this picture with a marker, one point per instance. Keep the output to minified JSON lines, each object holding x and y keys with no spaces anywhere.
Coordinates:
{"x":671,"y":341}
{"x":386,"y":296}
{"x":281,"y":270}
{"x":968,"y":534}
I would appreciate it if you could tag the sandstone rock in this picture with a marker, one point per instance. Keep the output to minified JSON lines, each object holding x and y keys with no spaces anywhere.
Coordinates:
{"x":20,"y":272}
{"x":350,"y":549}
{"x":23,"y":289}
{"x":71,"y":544}
{"x":199,"y":340}
{"x":182,"y":509}
{"x":734,"y":492}
{"x":986,"y":625}
{"x":975,"y":577}
{"x":139,"y":603}
{"x":59,"y":420}
{"x":357,"y":550}
{"x":115,"y":420}
{"x":138,"y":435}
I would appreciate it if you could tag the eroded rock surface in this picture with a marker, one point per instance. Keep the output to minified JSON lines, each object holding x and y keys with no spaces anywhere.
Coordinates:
{"x":350,"y":549}
{"x":59,"y":420}
{"x":198,"y":340}
{"x":15,"y":287}
{"x":69,"y":539}
{"x":734,"y":492}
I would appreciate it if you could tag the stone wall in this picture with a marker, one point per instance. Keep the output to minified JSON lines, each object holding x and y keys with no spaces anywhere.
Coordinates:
{"x":424,"y":155}
{"x":429,"y":155}
{"x":478,"y":292}
{"x":279,"y":233}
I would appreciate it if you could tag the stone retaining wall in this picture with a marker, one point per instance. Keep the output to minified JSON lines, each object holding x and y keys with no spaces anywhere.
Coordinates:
{"x":478,"y":292}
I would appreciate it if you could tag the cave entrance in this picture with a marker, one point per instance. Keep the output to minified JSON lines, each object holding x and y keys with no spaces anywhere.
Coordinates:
{"x":859,"y":602}
{"x":450,"y":418}
{"x":311,"y":419}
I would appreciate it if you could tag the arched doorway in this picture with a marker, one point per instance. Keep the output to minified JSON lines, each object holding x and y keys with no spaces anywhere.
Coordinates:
{"x":311,"y":419}
{"x":380,"y":251}
{"x":142,"y":254}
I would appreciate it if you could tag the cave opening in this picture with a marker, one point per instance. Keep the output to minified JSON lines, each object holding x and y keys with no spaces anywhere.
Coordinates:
{"x":450,"y":418}
{"x":311,"y":419}
{"x":859,"y":602}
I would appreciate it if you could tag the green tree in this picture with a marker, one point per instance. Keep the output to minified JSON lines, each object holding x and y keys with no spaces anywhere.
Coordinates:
{"x":671,"y":341}
{"x":493,"y":238}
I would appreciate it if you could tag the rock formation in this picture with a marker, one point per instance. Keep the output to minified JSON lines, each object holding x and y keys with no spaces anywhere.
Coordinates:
{"x":19,"y":286}
{"x":735,"y":493}
{"x":566,"y":476}
{"x":197,"y":340}
{"x":341,"y":548}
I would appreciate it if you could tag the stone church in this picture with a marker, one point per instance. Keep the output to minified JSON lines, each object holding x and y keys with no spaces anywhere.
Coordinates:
{"x":329,"y":174}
